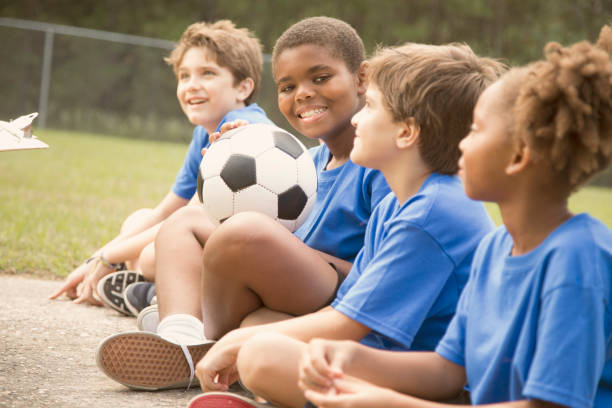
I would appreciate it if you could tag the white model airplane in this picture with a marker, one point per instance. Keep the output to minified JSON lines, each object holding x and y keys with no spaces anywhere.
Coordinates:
{"x":17,"y":134}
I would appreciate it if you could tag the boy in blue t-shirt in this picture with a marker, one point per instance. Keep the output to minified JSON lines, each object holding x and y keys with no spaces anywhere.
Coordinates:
{"x":533,"y":326}
{"x":319,"y":68}
{"x":403,"y":288}
{"x":218,"y":68}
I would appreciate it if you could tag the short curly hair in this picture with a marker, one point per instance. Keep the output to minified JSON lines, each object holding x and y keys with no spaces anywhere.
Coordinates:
{"x":563,"y":108}
{"x":438,"y":86}
{"x":236,"y":49}
{"x":335,"y":35}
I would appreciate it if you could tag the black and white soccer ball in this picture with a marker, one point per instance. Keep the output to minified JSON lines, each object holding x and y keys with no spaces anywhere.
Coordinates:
{"x":260,"y":168}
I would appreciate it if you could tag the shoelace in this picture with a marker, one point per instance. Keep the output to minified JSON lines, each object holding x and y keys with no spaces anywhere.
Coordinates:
{"x":190,"y":362}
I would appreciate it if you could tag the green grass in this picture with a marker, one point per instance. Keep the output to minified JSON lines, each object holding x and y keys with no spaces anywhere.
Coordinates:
{"x":60,"y":204}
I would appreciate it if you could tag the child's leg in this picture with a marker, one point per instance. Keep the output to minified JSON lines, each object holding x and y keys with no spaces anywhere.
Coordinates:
{"x":135,"y":219}
{"x":263,"y":315}
{"x":146,"y":262}
{"x":178,"y":249}
{"x":252,"y":261}
{"x":268,"y":366}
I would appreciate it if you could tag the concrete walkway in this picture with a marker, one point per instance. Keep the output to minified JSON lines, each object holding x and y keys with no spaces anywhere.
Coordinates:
{"x":47,"y":352}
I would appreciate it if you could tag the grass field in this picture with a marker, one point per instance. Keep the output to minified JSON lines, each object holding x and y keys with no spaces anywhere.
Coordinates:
{"x":58,"y":205}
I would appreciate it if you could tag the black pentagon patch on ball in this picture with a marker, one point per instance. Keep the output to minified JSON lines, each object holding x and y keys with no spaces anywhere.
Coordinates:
{"x":286,"y":143}
{"x":291,"y":203}
{"x":239,"y":172}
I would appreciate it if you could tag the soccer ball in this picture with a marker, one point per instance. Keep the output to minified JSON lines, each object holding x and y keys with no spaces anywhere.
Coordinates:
{"x":261,"y":168}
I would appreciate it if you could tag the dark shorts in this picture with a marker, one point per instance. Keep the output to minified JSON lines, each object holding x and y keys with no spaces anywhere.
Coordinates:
{"x":341,"y":278}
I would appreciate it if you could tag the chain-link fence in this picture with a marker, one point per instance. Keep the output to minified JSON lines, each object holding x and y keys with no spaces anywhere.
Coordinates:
{"x":97,"y":81}
{"x":102,"y":82}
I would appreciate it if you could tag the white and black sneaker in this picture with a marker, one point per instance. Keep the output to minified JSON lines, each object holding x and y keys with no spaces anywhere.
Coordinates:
{"x":111,"y":288}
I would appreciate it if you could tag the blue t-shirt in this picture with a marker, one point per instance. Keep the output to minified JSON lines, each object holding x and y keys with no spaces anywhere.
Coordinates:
{"x":406,"y":281}
{"x":186,"y":179}
{"x":346,"y":197}
{"x":538,"y":325}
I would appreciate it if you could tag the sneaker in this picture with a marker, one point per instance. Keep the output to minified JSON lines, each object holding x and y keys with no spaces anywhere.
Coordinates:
{"x":145,"y":361}
{"x":148,"y":319}
{"x":225,"y":400}
{"x":138,"y":295}
{"x":110,"y":289}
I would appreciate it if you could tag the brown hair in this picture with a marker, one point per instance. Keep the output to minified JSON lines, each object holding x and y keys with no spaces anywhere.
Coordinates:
{"x":563,"y":110}
{"x":438,"y":86}
{"x":335,"y":35}
{"x":236,"y":49}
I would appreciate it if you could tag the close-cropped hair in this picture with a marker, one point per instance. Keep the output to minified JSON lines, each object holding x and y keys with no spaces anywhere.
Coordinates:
{"x":438,"y":86}
{"x":563,"y":109}
{"x":236,"y":49}
{"x":338,"y":37}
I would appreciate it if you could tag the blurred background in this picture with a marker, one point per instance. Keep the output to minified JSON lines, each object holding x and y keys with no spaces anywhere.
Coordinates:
{"x":94,"y":71}
{"x":97,"y":65}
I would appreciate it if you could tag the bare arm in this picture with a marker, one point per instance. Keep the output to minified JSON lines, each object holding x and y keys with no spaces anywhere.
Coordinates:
{"x":167,"y":206}
{"x":130,"y":247}
{"x":346,"y":373}
{"x":221,"y":358}
{"x":131,"y":244}
{"x":127,"y":245}
{"x":355,"y":393}
{"x":424,"y":374}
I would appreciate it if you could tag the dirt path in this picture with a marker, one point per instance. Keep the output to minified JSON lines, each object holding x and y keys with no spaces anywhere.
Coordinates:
{"x":47,"y":352}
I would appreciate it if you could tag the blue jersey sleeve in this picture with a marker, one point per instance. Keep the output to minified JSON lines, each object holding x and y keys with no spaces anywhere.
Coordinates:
{"x":185,"y":182}
{"x":452,"y":345}
{"x":393,"y":290}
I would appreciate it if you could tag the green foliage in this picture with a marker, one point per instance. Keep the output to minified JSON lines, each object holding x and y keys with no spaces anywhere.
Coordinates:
{"x":501,"y":28}
{"x":116,"y":82}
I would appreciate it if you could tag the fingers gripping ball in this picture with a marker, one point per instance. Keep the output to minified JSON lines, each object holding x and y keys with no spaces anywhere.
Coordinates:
{"x":259,"y":168}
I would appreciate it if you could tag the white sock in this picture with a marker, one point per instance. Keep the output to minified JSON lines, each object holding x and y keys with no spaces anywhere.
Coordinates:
{"x":182,"y":329}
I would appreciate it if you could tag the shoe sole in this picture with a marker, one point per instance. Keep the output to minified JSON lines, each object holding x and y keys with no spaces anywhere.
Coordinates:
{"x":224,"y":400}
{"x":111,"y":287}
{"x":145,"y":361}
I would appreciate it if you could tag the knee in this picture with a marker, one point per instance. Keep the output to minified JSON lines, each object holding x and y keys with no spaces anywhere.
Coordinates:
{"x":134,"y":219}
{"x":238,"y":236}
{"x":178,"y":220}
{"x":146,"y":261}
{"x":185,"y":222}
{"x":255,"y":363}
